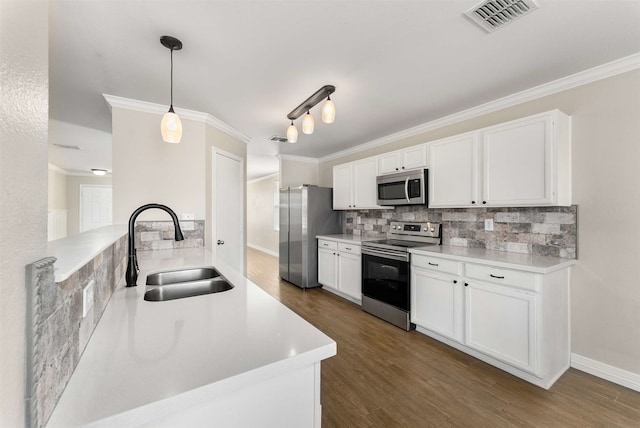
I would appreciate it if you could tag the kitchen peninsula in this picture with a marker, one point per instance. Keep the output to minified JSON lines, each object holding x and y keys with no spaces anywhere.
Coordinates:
{"x":235,"y":358}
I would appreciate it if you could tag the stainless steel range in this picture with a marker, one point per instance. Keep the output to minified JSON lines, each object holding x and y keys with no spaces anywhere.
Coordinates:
{"x":386,"y":285}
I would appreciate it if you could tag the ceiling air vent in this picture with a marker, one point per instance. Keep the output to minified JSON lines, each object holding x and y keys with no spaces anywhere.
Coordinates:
{"x":278,"y":139}
{"x":494,"y":14}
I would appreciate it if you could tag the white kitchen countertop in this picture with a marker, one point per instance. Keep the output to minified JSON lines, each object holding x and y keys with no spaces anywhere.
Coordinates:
{"x":75,"y":251}
{"x":527,"y":262}
{"x":348,"y":238}
{"x":149,"y":359}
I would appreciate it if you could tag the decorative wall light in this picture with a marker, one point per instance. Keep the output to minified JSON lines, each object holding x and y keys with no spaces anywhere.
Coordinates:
{"x":171,"y":126}
{"x":328,"y":112}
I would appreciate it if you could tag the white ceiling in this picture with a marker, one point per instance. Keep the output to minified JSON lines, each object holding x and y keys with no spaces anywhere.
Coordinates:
{"x":395,"y":64}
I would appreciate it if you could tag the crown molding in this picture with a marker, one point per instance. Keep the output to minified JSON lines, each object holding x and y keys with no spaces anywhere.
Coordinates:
{"x":56,"y":168}
{"x":591,"y":75}
{"x":298,"y":159}
{"x":147,"y":107}
{"x":266,"y":177}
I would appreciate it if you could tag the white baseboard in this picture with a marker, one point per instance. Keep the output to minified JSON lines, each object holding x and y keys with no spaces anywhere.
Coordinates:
{"x":264,"y":250}
{"x":605,"y":371}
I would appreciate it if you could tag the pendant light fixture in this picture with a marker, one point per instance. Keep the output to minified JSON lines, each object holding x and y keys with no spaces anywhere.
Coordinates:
{"x":307,"y":124}
{"x":292,"y":133}
{"x":328,"y":112}
{"x":171,"y":126}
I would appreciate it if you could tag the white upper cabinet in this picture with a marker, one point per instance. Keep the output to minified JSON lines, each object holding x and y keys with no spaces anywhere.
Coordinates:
{"x":525,"y":162}
{"x":453,"y":173}
{"x":354,"y":185}
{"x":410,"y":158}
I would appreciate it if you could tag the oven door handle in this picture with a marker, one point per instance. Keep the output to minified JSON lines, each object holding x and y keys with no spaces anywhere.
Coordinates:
{"x":406,"y":189}
{"x":385,"y":255}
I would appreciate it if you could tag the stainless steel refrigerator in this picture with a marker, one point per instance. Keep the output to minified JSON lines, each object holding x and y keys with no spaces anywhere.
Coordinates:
{"x":305,"y":212}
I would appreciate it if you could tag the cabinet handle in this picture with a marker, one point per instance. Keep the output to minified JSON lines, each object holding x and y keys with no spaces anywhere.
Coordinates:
{"x":496,"y":276}
{"x":484,"y":202}
{"x":473,"y":202}
{"x":466,"y":284}
{"x":402,"y":167}
{"x":396,"y":169}
{"x":455,"y":281}
{"x":347,"y":248}
{"x":338,"y":254}
{"x":433,"y":264}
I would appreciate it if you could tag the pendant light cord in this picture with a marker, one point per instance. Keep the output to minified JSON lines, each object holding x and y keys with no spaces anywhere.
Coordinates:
{"x":171,"y":77}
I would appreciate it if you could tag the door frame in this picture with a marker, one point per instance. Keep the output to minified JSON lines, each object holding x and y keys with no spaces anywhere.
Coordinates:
{"x":214,"y":152}
{"x":81,"y":202}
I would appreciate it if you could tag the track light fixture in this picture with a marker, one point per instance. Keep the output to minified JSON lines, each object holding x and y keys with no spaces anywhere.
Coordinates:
{"x":171,"y":126}
{"x":328,"y":112}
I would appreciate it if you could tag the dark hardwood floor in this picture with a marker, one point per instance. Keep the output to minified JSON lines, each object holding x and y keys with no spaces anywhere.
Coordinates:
{"x":383,"y":376}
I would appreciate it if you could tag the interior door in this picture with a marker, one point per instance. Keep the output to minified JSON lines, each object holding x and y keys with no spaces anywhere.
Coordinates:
{"x":228,"y":239}
{"x":95,"y":206}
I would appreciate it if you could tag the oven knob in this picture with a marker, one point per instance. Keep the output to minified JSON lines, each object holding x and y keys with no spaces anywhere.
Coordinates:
{"x":432,"y":229}
{"x":424,"y":229}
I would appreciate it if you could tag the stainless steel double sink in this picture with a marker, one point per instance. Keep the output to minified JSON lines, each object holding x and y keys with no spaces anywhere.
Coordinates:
{"x":181,"y":283}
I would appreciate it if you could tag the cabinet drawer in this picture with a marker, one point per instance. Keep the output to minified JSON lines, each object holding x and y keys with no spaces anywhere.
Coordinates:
{"x":349,"y":248}
{"x":514,"y":278}
{"x":436,"y":264}
{"x":330,"y":245}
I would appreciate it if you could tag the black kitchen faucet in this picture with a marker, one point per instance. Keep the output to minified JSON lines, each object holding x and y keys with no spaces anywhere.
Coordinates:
{"x":132,"y":264}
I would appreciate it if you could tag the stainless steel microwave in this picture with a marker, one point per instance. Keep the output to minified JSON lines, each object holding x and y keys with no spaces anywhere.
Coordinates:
{"x":403,"y":188}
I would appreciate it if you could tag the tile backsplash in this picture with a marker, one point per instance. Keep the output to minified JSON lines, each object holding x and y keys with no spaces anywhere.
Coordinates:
{"x":546,"y":231}
{"x":160,"y":235}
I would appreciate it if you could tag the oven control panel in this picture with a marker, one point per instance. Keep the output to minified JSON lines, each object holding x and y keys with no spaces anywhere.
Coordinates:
{"x":416,"y":229}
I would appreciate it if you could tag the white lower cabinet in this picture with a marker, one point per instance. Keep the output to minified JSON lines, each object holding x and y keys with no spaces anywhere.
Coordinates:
{"x":340,"y":269}
{"x":501,"y":322}
{"x":513,"y":319}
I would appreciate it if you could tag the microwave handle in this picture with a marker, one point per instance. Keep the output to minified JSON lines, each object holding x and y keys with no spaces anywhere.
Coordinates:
{"x":406,"y":189}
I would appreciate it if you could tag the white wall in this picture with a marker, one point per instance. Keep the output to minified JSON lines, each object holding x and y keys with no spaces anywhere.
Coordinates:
{"x":24,"y":48}
{"x":57,"y":190}
{"x":260,"y":212}
{"x":296,"y":171}
{"x":148,"y":170}
{"x":605,"y":293}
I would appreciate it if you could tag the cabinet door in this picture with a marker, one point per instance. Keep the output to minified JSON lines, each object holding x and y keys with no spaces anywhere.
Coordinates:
{"x":327,"y":268}
{"x":350,"y":275}
{"x":501,"y":322}
{"x":342,"y":187}
{"x":453,"y":172}
{"x":414,"y":157}
{"x":518,"y":167}
{"x":389,"y":162}
{"x":364,"y":183}
{"x":436,"y":303}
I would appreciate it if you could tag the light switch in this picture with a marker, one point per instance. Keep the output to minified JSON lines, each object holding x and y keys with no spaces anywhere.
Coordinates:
{"x":488,"y":224}
{"x":87,"y":297}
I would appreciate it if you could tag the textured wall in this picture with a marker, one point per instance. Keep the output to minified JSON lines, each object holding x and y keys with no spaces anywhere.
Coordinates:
{"x":24,"y":44}
{"x":59,"y":332}
{"x":544,"y":231}
{"x":160,"y":235}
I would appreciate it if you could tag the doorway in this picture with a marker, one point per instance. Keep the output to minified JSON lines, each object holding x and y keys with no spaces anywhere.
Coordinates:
{"x":228,"y":208}
{"x":95,"y":206}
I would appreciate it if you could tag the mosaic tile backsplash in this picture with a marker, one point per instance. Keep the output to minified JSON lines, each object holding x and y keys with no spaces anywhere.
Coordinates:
{"x":545,"y":231}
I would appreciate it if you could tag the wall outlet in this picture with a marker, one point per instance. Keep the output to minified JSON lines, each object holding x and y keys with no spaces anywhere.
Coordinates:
{"x":488,"y":224}
{"x":87,"y":297}
{"x":187,"y":216}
